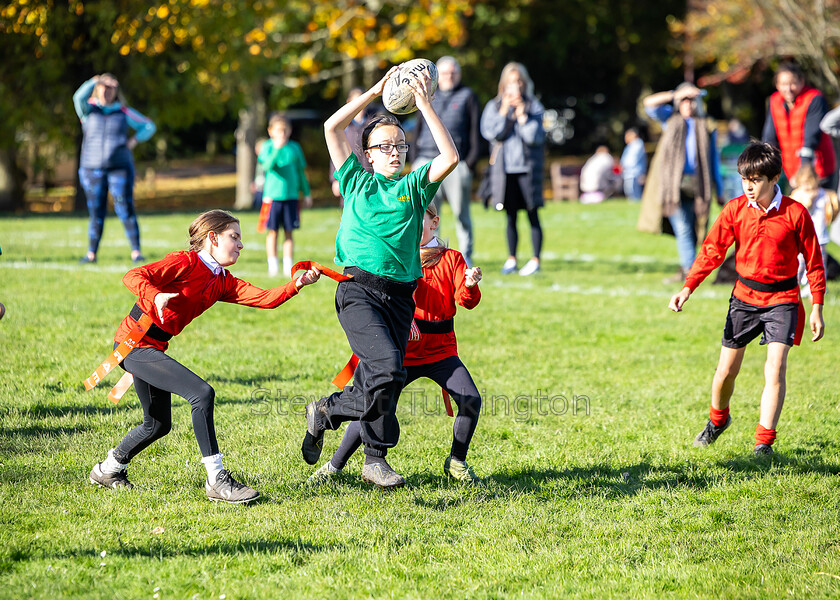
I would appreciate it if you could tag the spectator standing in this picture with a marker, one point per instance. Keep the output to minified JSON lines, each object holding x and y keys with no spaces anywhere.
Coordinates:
{"x":633,"y":164}
{"x":458,"y":108}
{"x":512,"y":123}
{"x":106,"y":163}
{"x":685,"y":166}
{"x":793,"y":120}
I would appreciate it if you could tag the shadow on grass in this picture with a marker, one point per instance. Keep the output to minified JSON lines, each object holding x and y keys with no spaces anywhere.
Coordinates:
{"x":159,"y":548}
{"x":616,"y":482}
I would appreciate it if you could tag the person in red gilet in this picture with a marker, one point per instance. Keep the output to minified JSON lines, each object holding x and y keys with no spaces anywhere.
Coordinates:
{"x":446,"y":280}
{"x":793,"y":120}
{"x":173,"y":292}
{"x":769,"y":231}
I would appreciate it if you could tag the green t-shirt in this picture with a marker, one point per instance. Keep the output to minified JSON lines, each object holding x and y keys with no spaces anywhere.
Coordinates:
{"x":382,"y":221}
{"x":285,"y":178}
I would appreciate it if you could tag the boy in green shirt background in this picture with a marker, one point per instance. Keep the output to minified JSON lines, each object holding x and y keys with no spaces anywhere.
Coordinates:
{"x":285,"y":179}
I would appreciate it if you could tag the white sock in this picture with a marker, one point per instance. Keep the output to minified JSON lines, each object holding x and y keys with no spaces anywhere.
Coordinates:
{"x":287,"y":266}
{"x":272,"y":266}
{"x":213,"y":464}
{"x":110,"y":464}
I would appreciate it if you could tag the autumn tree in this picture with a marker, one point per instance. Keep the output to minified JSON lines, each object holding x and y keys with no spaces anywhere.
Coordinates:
{"x":240,"y":49}
{"x":735,"y":35}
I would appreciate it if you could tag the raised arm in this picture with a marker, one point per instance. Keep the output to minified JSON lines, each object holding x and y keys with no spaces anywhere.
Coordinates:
{"x":337,"y":144}
{"x":81,"y":96}
{"x":445,"y":162}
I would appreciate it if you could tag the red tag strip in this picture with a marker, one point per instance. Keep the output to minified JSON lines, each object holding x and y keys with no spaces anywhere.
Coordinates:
{"x":305,"y":265}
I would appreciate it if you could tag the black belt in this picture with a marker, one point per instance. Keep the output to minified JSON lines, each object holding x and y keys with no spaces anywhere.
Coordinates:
{"x":445,"y":326}
{"x":154,"y":332}
{"x":382,"y":284}
{"x":777,"y":286}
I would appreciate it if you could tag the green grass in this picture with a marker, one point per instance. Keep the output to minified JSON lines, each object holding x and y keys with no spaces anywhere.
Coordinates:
{"x":613,"y":503}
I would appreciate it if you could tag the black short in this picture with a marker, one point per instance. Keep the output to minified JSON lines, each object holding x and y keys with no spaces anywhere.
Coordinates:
{"x":744,"y":322}
{"x":284,"y":215}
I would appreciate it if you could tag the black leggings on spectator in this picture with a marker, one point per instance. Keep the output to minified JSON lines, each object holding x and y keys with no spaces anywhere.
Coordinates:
{"x":156,"y":377}
{"x":514,"y":202}
{"x":449,"y":373}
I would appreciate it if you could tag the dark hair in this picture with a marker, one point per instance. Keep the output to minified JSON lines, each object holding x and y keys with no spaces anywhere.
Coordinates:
{"x":760,"y":158}
{"x":374,"y":123}
{"x":790,"y":67}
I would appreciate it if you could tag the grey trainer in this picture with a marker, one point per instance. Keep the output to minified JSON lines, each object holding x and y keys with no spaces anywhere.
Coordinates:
{"x":110,"y":480}
{"x":382,"y":475}
{"x":227,"y":489}
{"x":324,"y":474}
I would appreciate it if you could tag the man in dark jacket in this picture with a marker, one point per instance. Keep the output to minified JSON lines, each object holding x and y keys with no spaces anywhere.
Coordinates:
{"x":458,"y":108}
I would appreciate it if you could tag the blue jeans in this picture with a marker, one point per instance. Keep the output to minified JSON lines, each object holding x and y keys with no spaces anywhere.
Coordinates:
{"x":683,"y":223}
{"x":120,"y":182}
{"x":633,"y":188}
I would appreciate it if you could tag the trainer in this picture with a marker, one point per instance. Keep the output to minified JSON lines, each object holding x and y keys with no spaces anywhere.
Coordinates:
{"x":458,"y":108}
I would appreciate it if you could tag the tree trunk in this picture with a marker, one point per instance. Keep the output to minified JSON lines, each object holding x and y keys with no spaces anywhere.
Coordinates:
{"x":250,"y":118}
{"x":11,"y":181}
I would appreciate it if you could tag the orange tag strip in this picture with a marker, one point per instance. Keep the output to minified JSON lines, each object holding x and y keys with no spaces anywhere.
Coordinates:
{"x":346,"y":374}
{"x":265,"y":212}
{"x":120,"y":352}
{"x":305,"y":265}
{"x":117,"y":392}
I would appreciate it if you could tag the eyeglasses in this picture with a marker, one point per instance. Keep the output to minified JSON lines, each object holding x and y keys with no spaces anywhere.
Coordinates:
{"x":388,"y":148}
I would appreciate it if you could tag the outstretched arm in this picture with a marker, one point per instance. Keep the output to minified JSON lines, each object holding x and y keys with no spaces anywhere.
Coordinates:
{"x":337,"y":144}
{"x":445,"y":162}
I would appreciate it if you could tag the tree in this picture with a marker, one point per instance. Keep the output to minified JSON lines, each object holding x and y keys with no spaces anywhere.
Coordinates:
{"x":240,"y":49}
{"x":736,"y":35}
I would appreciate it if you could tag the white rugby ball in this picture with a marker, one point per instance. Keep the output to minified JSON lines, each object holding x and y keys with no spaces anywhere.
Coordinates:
{"x":397,"y":96}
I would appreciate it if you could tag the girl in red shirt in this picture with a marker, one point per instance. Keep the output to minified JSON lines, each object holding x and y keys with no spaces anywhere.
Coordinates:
{"x":173,"y":292}
{"x":446,"y":280}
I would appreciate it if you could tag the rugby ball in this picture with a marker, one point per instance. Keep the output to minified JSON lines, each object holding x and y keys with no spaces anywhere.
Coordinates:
{"x":397,"y":96}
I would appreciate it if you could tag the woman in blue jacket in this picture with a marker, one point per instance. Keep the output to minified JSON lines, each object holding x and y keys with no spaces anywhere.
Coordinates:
{"x":106,"y":163}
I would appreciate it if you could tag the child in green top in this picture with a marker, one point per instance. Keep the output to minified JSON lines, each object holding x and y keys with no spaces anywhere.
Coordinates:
{"x":377,"y":244}
{"x":283,"y":162}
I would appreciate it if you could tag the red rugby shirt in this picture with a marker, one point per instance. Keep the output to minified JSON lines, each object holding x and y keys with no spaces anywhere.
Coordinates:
{"x":437,"y":292}
{"x":766,"y":249}
{"x":198,"y":289}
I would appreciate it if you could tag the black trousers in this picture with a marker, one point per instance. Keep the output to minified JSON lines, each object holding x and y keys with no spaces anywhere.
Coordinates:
{"x":156,"y":377}
{"x":375,"y":314}
{"x":450,"y":374}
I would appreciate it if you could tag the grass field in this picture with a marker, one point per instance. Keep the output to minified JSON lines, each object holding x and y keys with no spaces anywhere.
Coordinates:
{"x":593,"y":392}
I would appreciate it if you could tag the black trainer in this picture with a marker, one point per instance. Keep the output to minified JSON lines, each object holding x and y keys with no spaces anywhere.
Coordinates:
{"x":313,"y":441}
{"x":763,"y":450}
{"x":110,"y":480}
{"x":382,"y":475}
{"x":710,"y":433}
{"x":227,"y":489}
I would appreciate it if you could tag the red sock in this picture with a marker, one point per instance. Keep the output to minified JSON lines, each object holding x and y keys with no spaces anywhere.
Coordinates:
{"x":764,"y":435}
{"x":718,"y":417}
